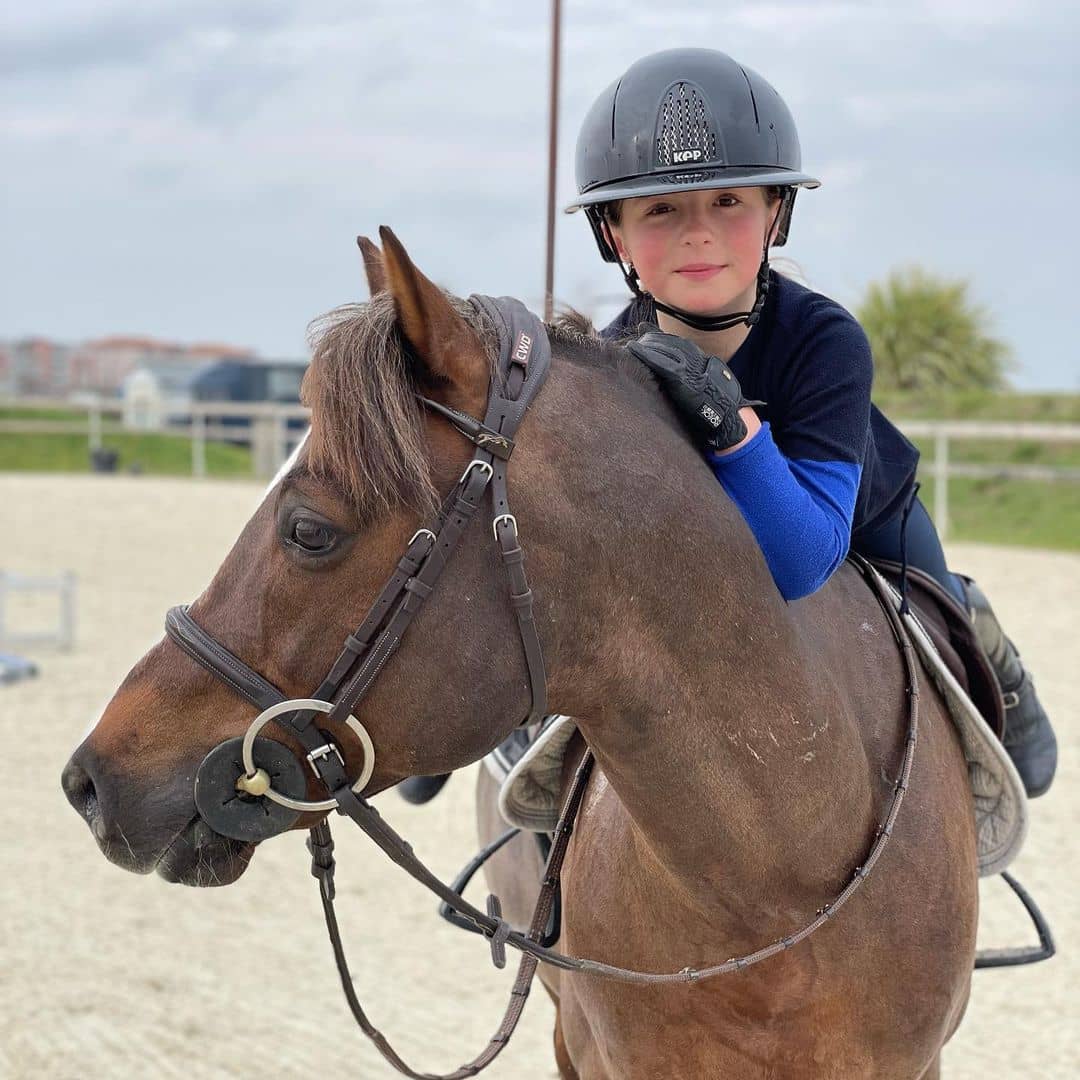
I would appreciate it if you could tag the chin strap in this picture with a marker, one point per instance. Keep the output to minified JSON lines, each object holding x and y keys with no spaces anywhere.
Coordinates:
{"x":717,"y":322}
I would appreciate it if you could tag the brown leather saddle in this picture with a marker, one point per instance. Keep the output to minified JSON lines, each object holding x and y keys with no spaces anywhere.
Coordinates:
{"x":950,"y":629}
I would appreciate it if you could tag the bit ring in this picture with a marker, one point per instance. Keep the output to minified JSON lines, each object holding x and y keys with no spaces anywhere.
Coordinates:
{"x":303,"y":705}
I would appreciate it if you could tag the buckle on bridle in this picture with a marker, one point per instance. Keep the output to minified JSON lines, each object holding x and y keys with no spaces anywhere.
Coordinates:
{"x":504,"y":517}
{"x":322,"y":753}
{"x":477,"y":464}
{"x":423,"y":532}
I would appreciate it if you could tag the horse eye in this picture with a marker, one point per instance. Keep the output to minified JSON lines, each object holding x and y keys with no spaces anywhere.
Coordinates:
{"x":311,"y":535}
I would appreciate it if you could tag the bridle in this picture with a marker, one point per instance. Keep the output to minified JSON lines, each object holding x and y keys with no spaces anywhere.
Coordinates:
{"x":250,"y":788}
{"x":525,"y":355}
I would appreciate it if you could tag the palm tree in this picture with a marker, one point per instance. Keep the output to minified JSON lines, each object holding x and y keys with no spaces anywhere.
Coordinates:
{"x":927,"y":336}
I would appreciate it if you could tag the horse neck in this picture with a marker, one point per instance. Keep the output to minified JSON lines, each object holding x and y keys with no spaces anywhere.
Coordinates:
{"x":698,"y":690}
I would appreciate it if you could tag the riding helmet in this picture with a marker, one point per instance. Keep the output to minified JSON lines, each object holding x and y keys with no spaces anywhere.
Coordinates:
{"x":684,"y":120}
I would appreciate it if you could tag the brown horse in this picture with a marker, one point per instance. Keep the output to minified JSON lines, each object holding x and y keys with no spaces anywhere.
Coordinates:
{"x":746,"y":747}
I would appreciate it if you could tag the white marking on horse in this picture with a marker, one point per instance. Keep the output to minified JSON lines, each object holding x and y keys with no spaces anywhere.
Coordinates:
{"x":287,"y":464}
{"x":597,"y":789}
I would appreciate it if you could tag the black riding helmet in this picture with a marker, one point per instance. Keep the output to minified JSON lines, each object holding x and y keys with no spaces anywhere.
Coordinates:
{"x":686,"y":120}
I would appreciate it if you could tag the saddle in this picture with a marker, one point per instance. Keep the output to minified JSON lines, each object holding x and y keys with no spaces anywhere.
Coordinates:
{"x":952,"y":632}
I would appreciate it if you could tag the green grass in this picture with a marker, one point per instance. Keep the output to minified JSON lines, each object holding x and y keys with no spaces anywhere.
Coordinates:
{"x":1004,"y":452}
{"x":1032,"y":513}
{"x":14,"y":412}
{"x":1043,"y":514}
{"x":153,"y":454}
{"x":981,"y":405}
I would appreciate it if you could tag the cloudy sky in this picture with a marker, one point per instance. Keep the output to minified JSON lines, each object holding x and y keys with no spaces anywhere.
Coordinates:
{"x":199,"y":170}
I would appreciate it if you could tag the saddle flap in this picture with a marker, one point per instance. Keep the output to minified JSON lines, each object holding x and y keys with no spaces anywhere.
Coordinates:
{"x":951,"y":630}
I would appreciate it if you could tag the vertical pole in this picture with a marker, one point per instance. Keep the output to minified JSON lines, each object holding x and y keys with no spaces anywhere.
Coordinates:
{"x":67,"y":609}
{"x":94,"y":419}
{"x":198,"y":442}
{"x":553,"y":147}
{"x":941,"y":482}
{"x":262,"y":445}
{"x":3,"y":607}
{"x":281,"y":440}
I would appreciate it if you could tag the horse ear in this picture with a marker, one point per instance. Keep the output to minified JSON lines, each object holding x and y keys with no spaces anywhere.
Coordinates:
{"x":373,"y":265}
{"x":439,"y":336}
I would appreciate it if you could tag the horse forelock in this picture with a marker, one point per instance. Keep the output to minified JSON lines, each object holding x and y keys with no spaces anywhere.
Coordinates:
{"x":367,"y":426}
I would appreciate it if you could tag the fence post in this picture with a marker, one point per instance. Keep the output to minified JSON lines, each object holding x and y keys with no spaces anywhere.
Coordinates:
{"x":198,"y":442}
{"x":263,"y":449}
{"x":281,"y":440}
{"x":93,"y":417}
{"x":67,"y":610}
{"x":941,"y":482}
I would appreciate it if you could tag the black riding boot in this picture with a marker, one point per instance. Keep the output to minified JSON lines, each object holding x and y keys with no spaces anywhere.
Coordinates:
{"x":422,"y":789}
{"x":1029,"y":738}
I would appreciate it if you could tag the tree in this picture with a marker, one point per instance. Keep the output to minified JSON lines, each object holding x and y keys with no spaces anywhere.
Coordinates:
{"x":927,"y":336}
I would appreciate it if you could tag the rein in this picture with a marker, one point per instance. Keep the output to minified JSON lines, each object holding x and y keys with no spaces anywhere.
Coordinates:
{"x":249,"y":788}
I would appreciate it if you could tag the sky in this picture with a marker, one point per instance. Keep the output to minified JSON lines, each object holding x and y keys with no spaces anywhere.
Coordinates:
{"x":199,"y":171}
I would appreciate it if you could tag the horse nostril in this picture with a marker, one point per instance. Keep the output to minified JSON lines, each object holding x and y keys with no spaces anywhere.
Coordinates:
{"x":79,"y":789}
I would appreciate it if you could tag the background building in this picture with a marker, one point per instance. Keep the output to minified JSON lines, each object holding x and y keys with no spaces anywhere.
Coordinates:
{"x":34,"y":366}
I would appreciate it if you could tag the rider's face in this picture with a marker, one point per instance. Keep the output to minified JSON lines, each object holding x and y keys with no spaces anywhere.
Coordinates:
{"x":697,"y":250}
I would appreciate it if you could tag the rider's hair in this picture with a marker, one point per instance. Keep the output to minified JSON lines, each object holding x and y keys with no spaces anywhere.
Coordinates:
{"x":612,"y":211}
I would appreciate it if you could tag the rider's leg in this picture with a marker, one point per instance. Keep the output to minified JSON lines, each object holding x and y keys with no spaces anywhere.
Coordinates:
{"x":422,"y":789}
{"x":1029,"y":738}
{"x":923,"y":548}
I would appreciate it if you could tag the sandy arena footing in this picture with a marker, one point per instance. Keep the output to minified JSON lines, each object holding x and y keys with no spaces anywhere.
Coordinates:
{"x":104,"y":974}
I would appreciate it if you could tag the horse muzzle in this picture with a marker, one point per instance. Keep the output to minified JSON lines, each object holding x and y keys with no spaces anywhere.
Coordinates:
{"x":157,"y":828}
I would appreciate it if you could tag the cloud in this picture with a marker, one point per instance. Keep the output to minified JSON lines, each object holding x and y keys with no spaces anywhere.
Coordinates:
{"x":126,"y":35}
{"x":201,"y":169}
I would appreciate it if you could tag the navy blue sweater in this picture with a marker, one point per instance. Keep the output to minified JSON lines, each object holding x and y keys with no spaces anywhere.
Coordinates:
{"x":826,"y":463}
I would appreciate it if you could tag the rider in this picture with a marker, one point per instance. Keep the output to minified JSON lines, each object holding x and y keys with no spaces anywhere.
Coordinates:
{"x":687,"y":169}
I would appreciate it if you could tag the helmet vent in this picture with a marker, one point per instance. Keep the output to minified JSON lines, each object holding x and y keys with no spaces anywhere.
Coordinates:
{"x":685,"y":134}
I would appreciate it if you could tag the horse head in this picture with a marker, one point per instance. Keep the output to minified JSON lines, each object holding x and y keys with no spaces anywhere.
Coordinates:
{"x":327,"y":536}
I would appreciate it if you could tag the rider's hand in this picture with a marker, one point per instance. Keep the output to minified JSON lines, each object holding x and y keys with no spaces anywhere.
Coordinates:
{"x":702,"y":388}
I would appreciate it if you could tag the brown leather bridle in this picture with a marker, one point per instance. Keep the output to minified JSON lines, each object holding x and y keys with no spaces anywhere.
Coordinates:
{"x":235,"y":787}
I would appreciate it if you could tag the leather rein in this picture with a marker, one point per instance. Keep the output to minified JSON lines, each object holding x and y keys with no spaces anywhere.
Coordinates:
{"x":237,"y":787}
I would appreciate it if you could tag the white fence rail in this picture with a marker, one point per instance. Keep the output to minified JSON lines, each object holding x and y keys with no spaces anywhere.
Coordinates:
{"x":941,"y":467}
{"x":62,"y":632}
{"x":271,"y":439}
{"x":268,"y":433}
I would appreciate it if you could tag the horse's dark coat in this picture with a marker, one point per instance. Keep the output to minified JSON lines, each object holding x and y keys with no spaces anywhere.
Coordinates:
{"x":746,"y":746}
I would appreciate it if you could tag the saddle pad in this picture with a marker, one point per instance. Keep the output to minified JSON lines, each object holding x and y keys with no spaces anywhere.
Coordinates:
{"x":529,"y":793}
{"x":530,"y":788}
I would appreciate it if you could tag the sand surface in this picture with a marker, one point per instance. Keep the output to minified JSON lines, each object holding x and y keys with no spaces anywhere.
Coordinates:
{"x":106,"y":974}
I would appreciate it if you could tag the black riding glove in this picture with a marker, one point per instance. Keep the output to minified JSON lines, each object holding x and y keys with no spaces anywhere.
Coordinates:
{"x":701,"y":387}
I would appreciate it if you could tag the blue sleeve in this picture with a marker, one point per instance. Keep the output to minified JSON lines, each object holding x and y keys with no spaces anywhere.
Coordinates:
{"x":800,"y":511}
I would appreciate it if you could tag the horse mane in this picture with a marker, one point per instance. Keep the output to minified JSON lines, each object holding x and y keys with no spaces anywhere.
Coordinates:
{"x":575,"y":330}
{"x":367,"y":433}
{"x":367,"y":427}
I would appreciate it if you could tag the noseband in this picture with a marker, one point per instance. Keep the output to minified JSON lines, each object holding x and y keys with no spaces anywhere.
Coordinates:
{"x":251,"y":788}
